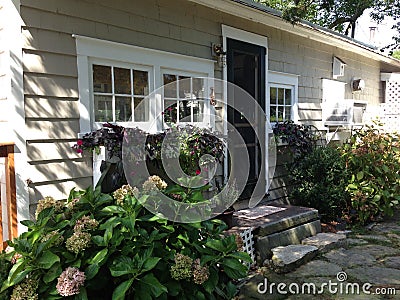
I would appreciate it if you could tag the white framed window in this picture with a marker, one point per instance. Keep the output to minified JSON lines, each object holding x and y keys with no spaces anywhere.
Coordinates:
{"x":117,"y":90}
{"x":283,"y":97}
{"x":184,"y":98}
{"x":113,"y":78}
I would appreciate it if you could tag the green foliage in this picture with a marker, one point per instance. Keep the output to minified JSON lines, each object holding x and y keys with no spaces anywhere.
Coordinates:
{"x":130,"y":254}
{"x":321,"y":181}
{"x":301,"y":139}
{"x":396,"y":54}
{"x":5,"y":267}
{"x":373,"y":161}
{"x":339,"y":15}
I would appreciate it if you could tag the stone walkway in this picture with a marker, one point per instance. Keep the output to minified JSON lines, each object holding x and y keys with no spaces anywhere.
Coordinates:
{"x":336,"y":265}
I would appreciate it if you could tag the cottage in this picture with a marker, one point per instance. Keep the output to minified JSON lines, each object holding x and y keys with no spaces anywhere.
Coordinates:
{"x":66,"y":66}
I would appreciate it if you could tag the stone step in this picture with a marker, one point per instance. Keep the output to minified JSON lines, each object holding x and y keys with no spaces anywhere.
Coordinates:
{"x":291,"y":236}
{"x":287,"y":258}
{"x":325,"y":241}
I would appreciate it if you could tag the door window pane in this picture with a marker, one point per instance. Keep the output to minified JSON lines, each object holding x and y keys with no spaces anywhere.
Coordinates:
{"x":102,"y":79}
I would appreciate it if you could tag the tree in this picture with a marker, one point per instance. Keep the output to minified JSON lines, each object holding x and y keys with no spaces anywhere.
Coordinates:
{"x":339,"y":15}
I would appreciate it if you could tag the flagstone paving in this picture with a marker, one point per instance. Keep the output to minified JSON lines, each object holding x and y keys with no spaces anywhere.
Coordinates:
{"x":370,"y":259}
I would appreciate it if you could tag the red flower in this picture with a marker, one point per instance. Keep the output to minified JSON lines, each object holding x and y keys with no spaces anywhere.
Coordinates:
{"x":79,"y":150}
{"x":198,"y":172}
{"x":79,"y":142}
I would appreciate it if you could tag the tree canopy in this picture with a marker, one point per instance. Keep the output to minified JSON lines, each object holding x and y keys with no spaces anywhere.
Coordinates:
{"x":339,"y":15}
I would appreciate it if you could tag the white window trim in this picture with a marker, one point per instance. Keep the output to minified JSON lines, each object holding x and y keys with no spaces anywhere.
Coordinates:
{"x":285,"y":79}
{"x":255,"y":39}
{"x":89,"y":49}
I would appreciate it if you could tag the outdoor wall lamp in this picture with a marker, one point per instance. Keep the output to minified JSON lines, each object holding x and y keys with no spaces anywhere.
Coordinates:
{"x":358,"y":84}
{"x":219,"y":54}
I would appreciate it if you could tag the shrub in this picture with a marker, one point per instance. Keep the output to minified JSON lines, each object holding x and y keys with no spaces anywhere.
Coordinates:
{"x":5,"y":267}
{"x":321,"y":179}
{"x":373,"y":162}
{"x":98,"y":246}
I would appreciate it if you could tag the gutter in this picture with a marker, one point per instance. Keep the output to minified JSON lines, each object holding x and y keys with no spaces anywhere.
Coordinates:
{"x":257,"y":12}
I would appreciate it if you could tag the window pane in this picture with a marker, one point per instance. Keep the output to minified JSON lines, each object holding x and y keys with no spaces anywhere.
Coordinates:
{"x":288,"y":97}
{"x":287,"y":112}
{"x":122,"y":81}
{"x":184,"y":88}
{"x":141,"y":83}
{"x":169,"y":86}
{"x":272,"y":95}
{"x":141,"y":110}
{"x":184,"y":111}
{"x":198,"y":87}
{"x":170,"y":111}
{"x":280,"y":96}
{"x":280,"y":113}
{"x":198,"y":109}
{"x":272,"y":117}
{"x":101,"y":79}
{"x":123,"y":109}
{"x":103,"y":108}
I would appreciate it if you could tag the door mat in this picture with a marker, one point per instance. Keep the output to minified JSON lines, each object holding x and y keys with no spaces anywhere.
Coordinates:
{"x":257,"y":212}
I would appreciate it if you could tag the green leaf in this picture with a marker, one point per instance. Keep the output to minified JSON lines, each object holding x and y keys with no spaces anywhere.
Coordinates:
{"x":212,"y":281}
{"x":216,"y":245}
{"x":52,"y":273}
{"x":17,"y":273}
{"x":231,"y":290}
{"x":155,"y":286}
{"x":91,"y":271}
{"x":47,"y":260}
{"x":28,"y":223}
{"x":113,"y":209}
{"x":150,"y":263}
{"x":122,"y":265}
{"x":360,"y":175}
{"x":99,"y":257}
{"x":243,"y":256}
{"x":234,"y":269}
{"x":82,"y":294}
{"x":120,"y":291}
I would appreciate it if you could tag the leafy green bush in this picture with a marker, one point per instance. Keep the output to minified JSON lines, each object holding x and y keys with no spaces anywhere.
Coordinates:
{"x":321,"y":181}
{"x":99,"y":246}
{"x":5,"y":266}
{"x":373,"y":161}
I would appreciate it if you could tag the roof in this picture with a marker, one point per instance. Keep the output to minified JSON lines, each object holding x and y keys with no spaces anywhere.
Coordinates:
{"x":260,"y":13}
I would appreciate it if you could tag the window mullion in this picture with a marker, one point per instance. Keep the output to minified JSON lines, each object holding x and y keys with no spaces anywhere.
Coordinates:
{"x":113,"y":93}
{"x":192,"y":100}
{"x":132,"y":97}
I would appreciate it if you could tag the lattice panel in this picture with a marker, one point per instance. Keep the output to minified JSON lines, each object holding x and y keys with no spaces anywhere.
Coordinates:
{"x":391,"y":107}
{"x":393,"y":92}
{"x":248,"y":242}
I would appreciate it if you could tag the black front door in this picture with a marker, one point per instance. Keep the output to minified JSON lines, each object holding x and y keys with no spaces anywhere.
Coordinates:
{"x":246,"y":69}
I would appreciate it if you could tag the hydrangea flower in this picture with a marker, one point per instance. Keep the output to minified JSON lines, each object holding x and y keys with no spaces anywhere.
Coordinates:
{"x":200,"y":274}
{"x":70,"y":281}
{"x":182,"y":268}
{"x":78,"y":242}
{"x":58,"y":241}
{"x":85,"y":223}
{"x":119,"y":195}
{"x":48,"y":202}
{"x":154,"y":183}
{"x":26,"y":290}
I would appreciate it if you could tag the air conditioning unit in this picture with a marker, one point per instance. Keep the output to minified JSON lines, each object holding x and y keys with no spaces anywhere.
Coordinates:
{"x":343,"y":112}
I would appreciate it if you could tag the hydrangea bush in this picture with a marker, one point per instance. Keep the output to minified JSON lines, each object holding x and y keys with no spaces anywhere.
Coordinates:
{"x":101,"y":246}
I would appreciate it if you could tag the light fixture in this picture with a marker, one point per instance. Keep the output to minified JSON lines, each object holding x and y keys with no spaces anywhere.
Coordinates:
{"x":358,"y":84}
{"x":219,"y":53}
